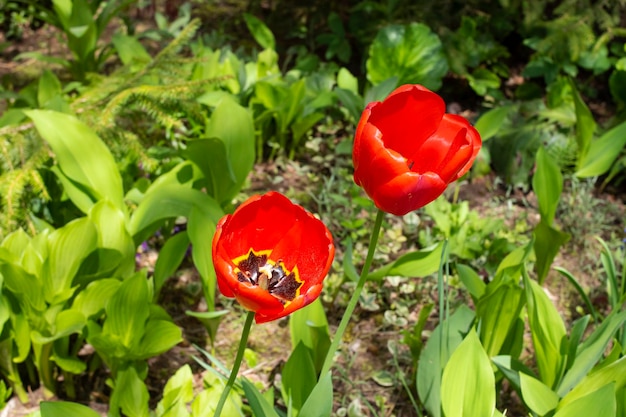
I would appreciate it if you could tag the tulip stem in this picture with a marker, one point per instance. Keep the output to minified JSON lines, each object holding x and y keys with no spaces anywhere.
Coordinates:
{"x":233,"y":373}
{"x":355,"y":295}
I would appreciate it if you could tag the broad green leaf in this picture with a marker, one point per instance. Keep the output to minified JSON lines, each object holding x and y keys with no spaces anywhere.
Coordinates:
{"x":309,"y":326}
{"x":490,"y":122}
{"x":511,"y":368}
{"x":258,"y":403}
{"x":352,"y":102}
{"x":379,"y":91}
{"x":576,"y":334}
{"x":600,"y":402}
{"x":92,"y":300}
{"x":233,"y":124}
{"x":113,"y":235}
{"x":547,"y":242}
{"x":66,"y":409}
{"x":411,"y":52}
{"x":130,"y":50}
{"x":67,"y":360}
{"x":602,"y":152}
{"x":128,"y":311}
{"x":537,"y":396}
{"x":159,"y":336}
{"x":130,"y":394}
{"x":79,"y":195}
{"x":435,"y":356}
{"x":170,"y":257}
{"x":615,"y":372}
{"x":211,"y":157}
{"x":166,"y":202}
{"x":471,"y":280}
{"x":414,"y":264}
{"x":66,"y":323}
{"x":48,"y":89}
{"x":482,"y":80}
{"x":548,"y":333}
{"x":298,"y":377}
{"x":177,"y":393}
{"x":547,"y":185}
{"x":347,"y":81}
{"x":468,"y":383}
{"x":201,"y":228}
{"x":591,"y":350}
{"x":585,"y":125}
{"x":68,"y":247}
{"x":261,"y":33}
{"x":497,"y":312}
{"x":320,"y":402}
{"x":205,"y":402}
{"x":26,"y":287}
{"x":81,"y":155}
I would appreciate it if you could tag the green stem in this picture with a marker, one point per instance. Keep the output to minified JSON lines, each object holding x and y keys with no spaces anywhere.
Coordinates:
{"x":233,"y":373}
{"x":355,"y":295}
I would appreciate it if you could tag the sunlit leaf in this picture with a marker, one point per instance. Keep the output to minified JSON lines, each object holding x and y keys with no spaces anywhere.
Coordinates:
{"x":539,"y":398}
{"x":468,"y":383}
{"x":411,"y":52}
{"x":66,"y":409}
{"x":320,"y":402}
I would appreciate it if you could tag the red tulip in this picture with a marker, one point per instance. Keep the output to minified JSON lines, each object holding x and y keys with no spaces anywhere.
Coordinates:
{"x":407,"y":149}
{"x":272,"y":256}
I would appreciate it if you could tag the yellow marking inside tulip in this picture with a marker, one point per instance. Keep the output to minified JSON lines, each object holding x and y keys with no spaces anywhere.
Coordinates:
{"x":256,"y":269}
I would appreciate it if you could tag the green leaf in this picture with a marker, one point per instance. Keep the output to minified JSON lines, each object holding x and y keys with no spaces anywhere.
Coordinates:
{"x":435,"y":356}
{"x":591,"y":350}
{"x":111,"y":222}
{"x":547,"y":243}
{"x":548,"y":333}
{"x":298,"y":377}
{"x":482,"y":80}
{"x":490,"y":122}
{"x":347,"y":81}
{"x":68,"y":247}
{"x":600,"y":402}
{"x":261,"y":33}
{"x":258,"y":403}
{"x":201,"y":225}
{"x":320,"y":402}
{"x":309,"y":326}
{"x":159,"y":336}
{"x":66,"y":323}
{"x":66,"y":409}
{"x":414,"y":264}
{"x":92,"y":300}
{"x":471,"y":280}
{"x":170,"y":257}
{"x":602,"y":152}
{"x":547,"y":184}
{"x":128,"y":311}
{"x":130,"y":50}
{"x":585,"y":125}
{"x":211,"y":157}
{"x":166,"y":202}
{"x":81,"y":155}
{"x":130,"y":394}
{"x":580,"y":290}
{"x":497,"y":311}
{"x":537,"y":396}
{"x":411,"y":52}
{"x":178,"y":392}
{"x":468,"y":383}
{"x":49,"y":88}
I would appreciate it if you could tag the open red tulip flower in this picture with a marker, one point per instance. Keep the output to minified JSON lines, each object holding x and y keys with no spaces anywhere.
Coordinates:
{"x":407,"y":149}
{"x":272,"y":256}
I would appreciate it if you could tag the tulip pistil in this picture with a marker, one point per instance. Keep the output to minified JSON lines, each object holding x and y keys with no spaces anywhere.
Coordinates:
{"x":258,"y":270}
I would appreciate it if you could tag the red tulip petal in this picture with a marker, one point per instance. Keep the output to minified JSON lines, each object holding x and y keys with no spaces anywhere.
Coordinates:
{"x":408,"y":192}
{"x":447,"y":151}
{"x":407,"y":118}
{"x":474,"y":138}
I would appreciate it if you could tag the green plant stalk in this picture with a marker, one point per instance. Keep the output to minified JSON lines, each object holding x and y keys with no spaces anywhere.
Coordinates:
{"x":443,"y":313}
{"x":235,"y":370}
{"x":355,"y":295}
